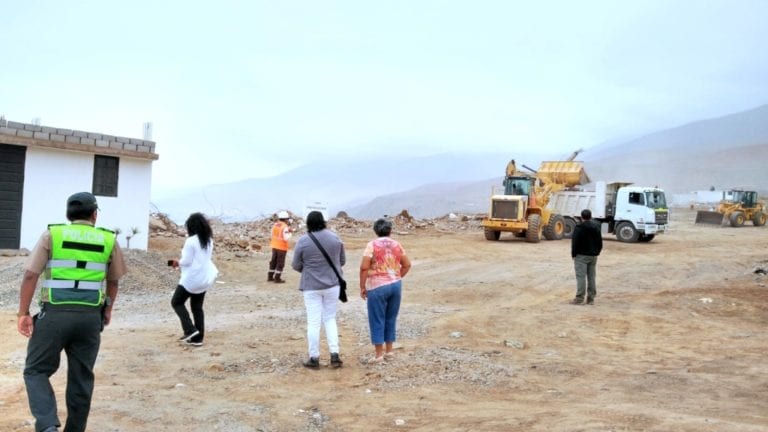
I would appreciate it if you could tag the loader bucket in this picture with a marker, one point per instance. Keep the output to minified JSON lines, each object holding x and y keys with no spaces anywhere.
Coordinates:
{"x":569,"y":173}
{"x":709,"y":217}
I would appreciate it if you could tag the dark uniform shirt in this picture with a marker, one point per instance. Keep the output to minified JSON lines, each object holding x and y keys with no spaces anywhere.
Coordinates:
{"x":587,"y":239}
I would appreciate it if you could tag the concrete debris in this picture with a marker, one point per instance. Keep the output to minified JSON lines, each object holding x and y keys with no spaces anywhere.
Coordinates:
{"x":514,"y":344}
{"x":252,"y":237}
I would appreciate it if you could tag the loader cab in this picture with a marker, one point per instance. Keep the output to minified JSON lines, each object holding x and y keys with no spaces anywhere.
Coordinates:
{"x":518,"y":185}
{"x":748,"y":199}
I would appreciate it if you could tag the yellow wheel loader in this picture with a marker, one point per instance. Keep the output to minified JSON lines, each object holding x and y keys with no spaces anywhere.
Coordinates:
{"x":522,"y":208}
{"x":736,"y":208}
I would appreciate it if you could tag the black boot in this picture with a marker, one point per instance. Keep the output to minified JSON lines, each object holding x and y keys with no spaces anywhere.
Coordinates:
{"x":336,"y":360}
{"x":277,"y":278}
{"x":271,"y":276}
{"x":312,"y":363}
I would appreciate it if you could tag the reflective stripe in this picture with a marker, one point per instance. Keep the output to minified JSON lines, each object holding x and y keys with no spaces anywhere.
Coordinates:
{"x":86,"y":285}
{"x":73,"y":264}
{"x":79,"y":262}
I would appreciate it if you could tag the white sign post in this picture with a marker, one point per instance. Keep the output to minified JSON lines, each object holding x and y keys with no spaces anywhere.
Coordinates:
{"x":316,"y":206}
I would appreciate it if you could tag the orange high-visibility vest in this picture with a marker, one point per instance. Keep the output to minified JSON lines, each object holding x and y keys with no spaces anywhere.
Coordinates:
{"x":278,"y":238}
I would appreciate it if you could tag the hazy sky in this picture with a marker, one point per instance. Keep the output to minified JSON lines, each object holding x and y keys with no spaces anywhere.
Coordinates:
{"x":253,"y":88}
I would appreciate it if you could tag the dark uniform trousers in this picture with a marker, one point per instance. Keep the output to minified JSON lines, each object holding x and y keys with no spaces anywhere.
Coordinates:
{"x":78,"y":333}
{"x":277,"y":263}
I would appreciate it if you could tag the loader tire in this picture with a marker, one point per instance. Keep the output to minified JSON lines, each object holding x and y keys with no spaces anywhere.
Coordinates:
{"x":568,"y":228}
{"x":532,"y":233}
{"x":627,"y":233}
{"x":737,"y":219}
{"x":555,"y":228}
{"x":492,"y":235}
{"x":758,"y":219}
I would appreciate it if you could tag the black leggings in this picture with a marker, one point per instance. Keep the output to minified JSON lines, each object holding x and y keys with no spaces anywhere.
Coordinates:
{"x":180,"y":297}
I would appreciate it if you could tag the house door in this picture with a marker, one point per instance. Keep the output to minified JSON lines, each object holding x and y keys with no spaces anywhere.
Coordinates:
{"x":11,"y":194}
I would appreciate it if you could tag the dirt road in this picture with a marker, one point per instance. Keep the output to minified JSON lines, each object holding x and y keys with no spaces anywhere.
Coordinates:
{"x":487,"y":342}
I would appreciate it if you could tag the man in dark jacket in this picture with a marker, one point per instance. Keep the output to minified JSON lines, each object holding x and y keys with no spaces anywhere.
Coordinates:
{"x":586,"y":244}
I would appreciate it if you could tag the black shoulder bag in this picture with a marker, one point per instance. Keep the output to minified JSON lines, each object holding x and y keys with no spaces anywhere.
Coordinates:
{"x":342,"y":282}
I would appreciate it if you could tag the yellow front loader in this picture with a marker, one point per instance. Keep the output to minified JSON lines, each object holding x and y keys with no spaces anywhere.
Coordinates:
{"x":738,"y":207}
{"x":522,"y":208}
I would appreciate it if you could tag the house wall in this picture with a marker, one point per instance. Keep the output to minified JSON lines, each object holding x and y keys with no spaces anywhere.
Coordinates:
{"x":52,"y":175}
{"x":708,"y":197}
{"x":696,"y":198}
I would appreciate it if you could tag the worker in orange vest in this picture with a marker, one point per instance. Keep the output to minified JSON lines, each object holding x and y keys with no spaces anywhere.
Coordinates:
{"x":281,"y":232}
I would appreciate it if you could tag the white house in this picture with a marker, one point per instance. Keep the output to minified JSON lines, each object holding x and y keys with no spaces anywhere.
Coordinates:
{"x":41,"y":166}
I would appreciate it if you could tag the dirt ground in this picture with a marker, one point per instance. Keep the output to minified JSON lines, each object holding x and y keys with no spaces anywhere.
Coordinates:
{"x":487,"y":342}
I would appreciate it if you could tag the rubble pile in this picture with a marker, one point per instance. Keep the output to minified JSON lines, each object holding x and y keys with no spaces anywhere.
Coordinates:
{"x":253,"y":236}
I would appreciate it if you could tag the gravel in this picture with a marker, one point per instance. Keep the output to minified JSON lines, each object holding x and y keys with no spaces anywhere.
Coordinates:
{"x":147,"y":273}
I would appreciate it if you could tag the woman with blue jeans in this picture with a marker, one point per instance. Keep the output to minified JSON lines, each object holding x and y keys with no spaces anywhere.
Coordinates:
{"x":381,"y":271}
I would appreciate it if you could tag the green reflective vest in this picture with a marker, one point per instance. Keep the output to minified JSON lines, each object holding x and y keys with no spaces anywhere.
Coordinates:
{"x":78,"y":265}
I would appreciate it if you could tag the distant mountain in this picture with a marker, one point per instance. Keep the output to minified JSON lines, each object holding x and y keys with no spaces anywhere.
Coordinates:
{"x":340,"y":185}
{"x":432,"y":200}
{"x":725,"y":152}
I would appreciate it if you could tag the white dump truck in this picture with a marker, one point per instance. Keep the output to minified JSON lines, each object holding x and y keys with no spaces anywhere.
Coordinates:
{"x":633,"y":213}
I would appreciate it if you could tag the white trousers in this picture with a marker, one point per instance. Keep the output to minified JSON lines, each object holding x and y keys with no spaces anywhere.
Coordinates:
{"x":321,"y":309}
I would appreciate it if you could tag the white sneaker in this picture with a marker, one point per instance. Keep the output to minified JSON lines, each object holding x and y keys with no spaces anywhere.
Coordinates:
{"x":187,"y":337}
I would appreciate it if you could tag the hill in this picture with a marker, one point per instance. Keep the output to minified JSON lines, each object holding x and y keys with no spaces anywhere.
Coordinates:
{"x":431,"y":200}
{"x":341,"y":185}
{"x":724,"y":152}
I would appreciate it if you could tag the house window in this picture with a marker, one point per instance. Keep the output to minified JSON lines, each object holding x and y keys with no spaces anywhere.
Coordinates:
{"x":105,"y":170}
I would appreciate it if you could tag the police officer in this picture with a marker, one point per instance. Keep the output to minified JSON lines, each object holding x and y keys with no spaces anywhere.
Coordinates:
{"x":76,"y":259}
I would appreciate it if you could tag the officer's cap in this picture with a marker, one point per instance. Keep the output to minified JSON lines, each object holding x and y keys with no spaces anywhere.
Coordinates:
{"x":82,"y":200}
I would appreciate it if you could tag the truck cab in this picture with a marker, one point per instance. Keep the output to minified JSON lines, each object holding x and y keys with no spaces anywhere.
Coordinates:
{"x":632,"y":213}
{"x":640,"y":213}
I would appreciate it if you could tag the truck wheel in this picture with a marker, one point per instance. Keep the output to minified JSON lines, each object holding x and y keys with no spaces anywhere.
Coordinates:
{"x":627,"y":233}
{"x":737,"y":219}
{"x":758,"y":219}
{"x":532,"y":233}
{"x":645,"y":238}
{"x":568,"y":228}
{"x":492,"y":235}
{"x":555,"y":228}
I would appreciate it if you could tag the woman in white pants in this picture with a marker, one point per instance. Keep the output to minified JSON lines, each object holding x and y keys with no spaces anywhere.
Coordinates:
{"x":320,"y":286}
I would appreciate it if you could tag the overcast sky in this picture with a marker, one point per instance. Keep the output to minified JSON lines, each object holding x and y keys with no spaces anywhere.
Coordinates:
{"x":253,"y":88}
